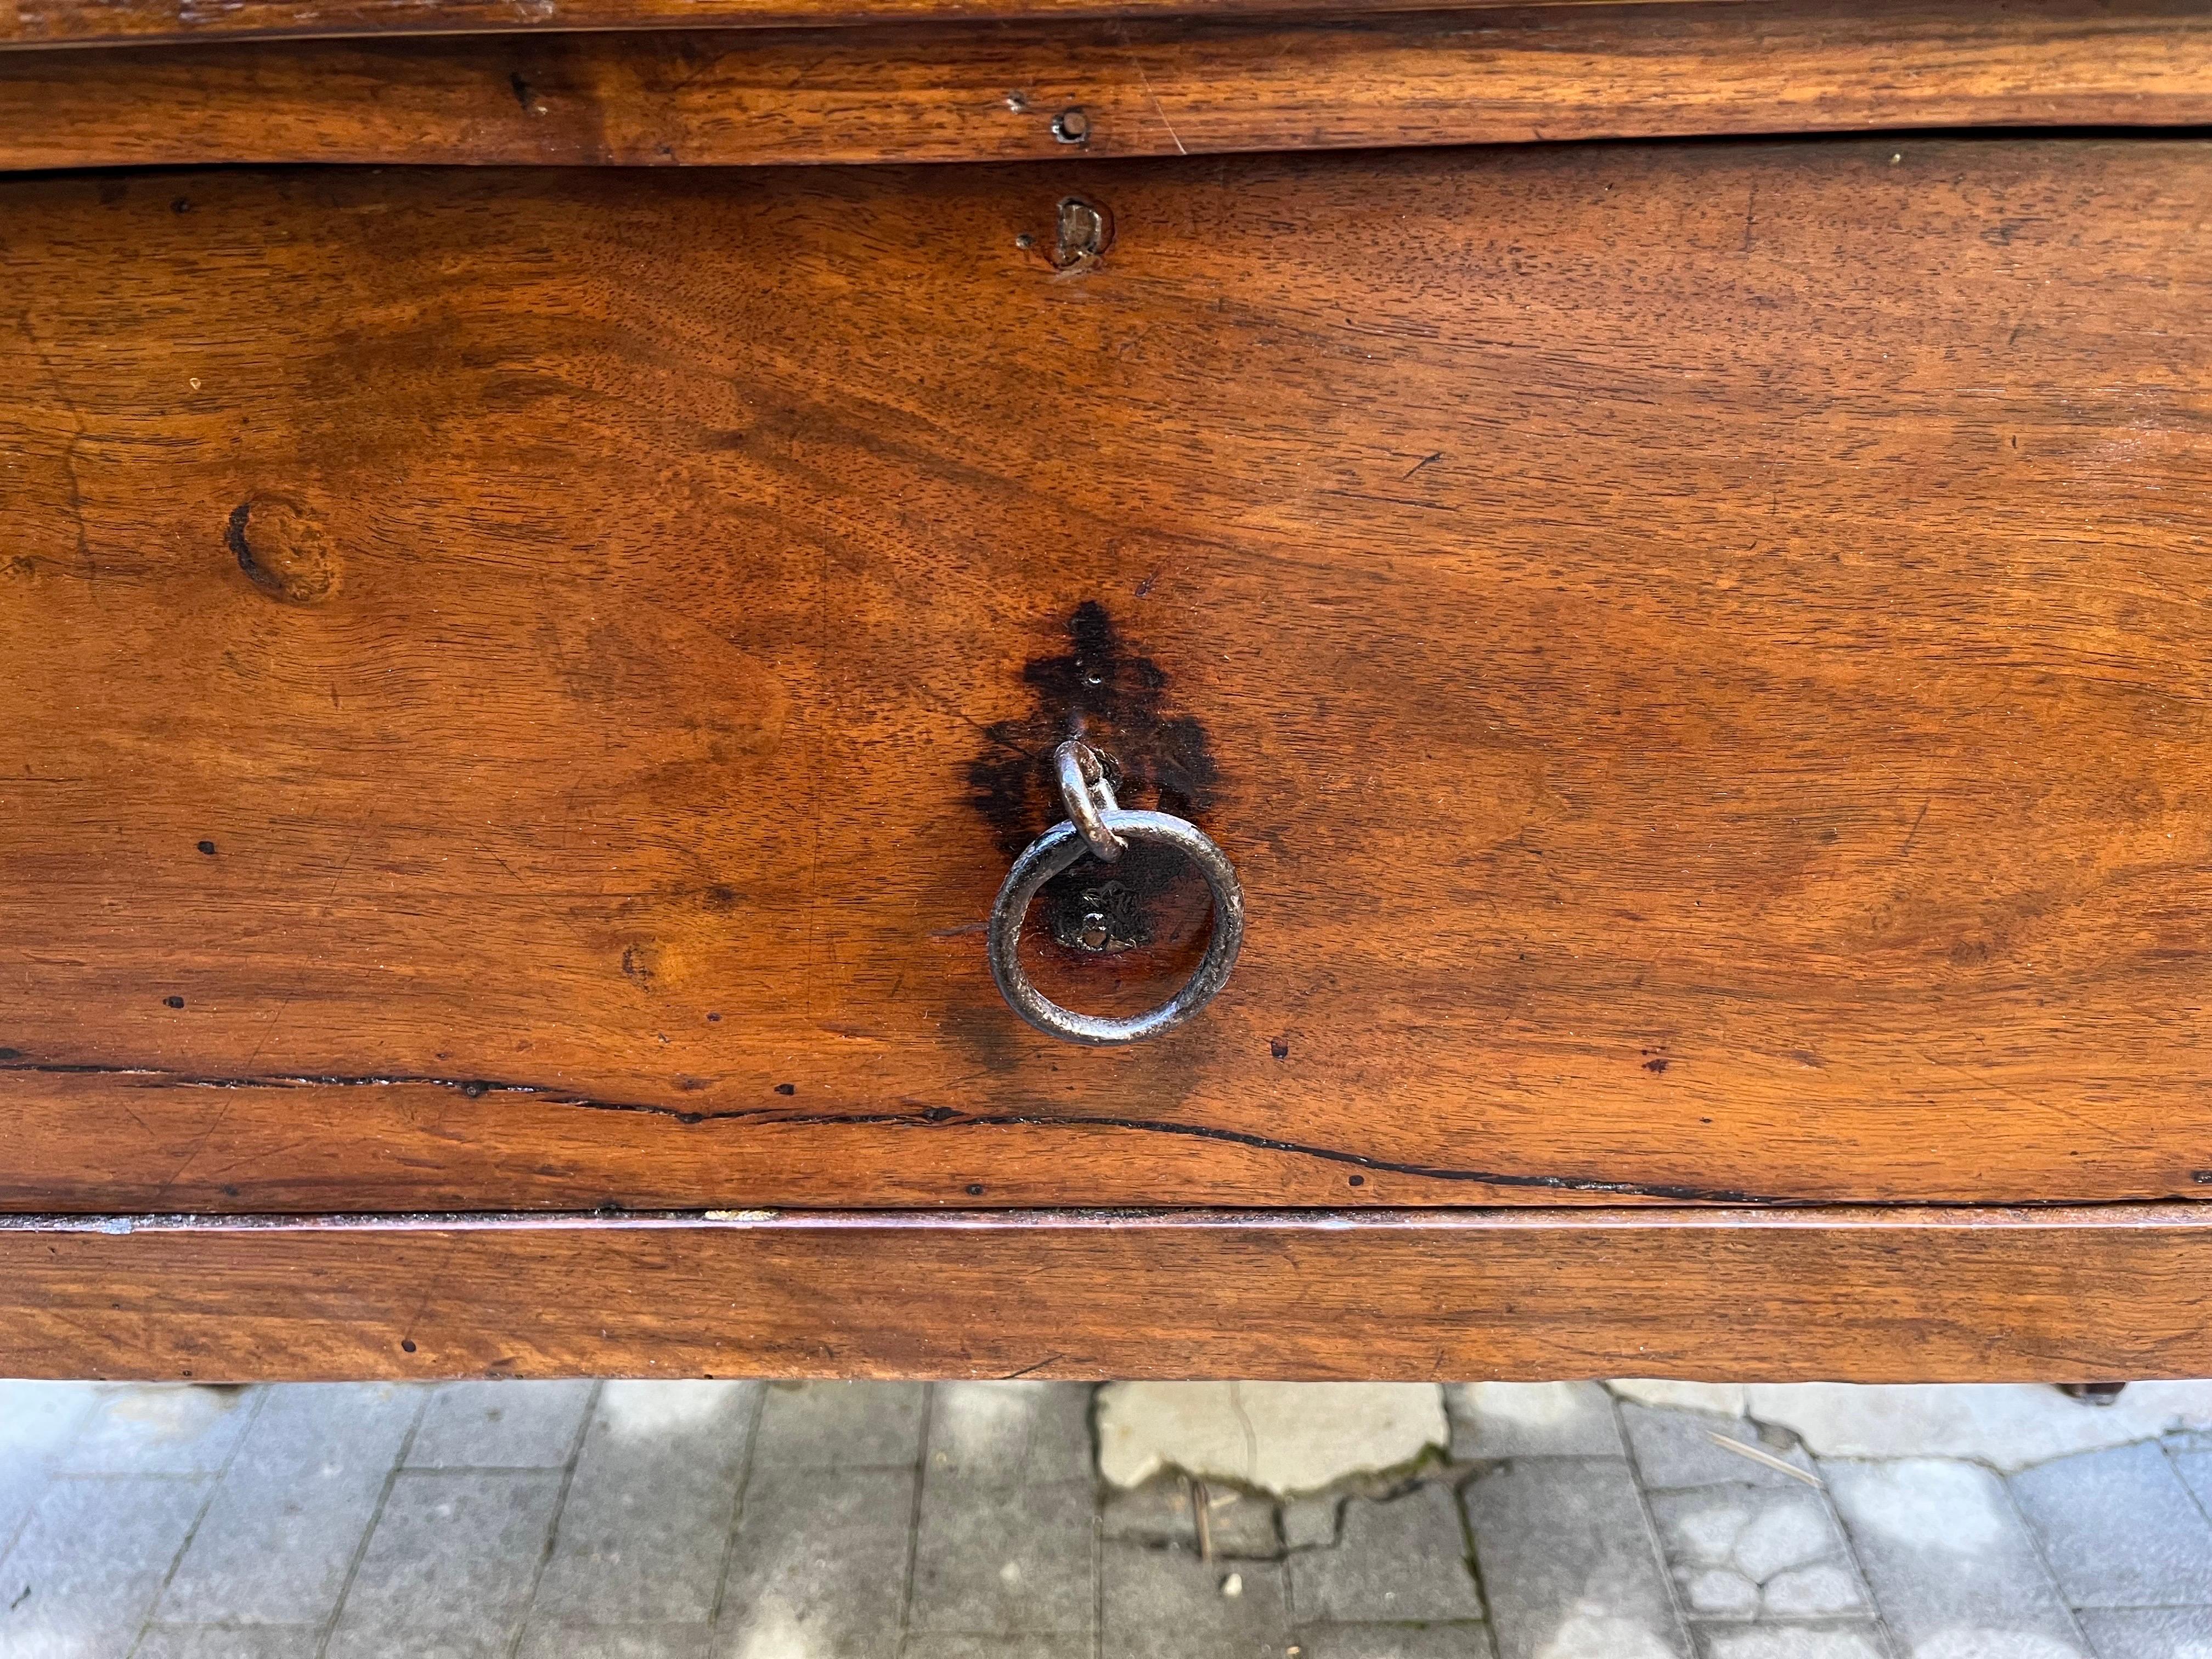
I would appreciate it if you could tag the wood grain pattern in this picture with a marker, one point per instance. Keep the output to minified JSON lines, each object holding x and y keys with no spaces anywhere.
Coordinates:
{"x":517,"y":689}
{"x":1143,"y":88}
{"x":75,"y":22}
{"x":1858,"y":1296}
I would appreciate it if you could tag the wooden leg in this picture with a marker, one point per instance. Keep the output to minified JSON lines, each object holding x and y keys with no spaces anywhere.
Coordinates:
{"x":2092,"y":1393}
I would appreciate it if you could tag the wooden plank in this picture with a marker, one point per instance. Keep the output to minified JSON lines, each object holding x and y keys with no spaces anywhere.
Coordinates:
{"x":1142,"y":88}
{"x":77,"y":22}
{"x":518,"y":689}
{"x":1853,"y":1294}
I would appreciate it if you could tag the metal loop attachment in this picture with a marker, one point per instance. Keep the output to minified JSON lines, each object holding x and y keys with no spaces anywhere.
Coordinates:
{"x":1086,"y":796}
{"x":1095,"y":823}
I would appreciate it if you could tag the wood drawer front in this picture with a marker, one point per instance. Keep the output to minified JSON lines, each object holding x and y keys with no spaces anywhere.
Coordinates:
{"x":1698,"y":653}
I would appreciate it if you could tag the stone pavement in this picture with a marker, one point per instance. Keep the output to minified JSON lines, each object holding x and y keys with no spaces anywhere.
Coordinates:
{"x":966,"y":1521}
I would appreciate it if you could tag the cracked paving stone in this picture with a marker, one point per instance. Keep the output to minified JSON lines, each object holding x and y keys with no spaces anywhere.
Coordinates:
{"x":1675,"y":1448}
{"x":1739,"y":1550}
{"x":1309,"y":1524}
{"x":1824,"y":1590}
{"x":1792,"y":1642}
{"x":1240,"y":1525}
{"x":2008,"y":1426}
{"x":1280,"y":1437}
{"x":1398,"y":1558}
{"x":1717,"y":1593}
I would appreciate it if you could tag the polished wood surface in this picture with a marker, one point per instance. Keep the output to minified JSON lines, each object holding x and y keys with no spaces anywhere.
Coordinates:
{"x":1150,"y":86}
{"x":1845,"y":1294}
{"x":518,"y":689}
{"x":77,"y":22}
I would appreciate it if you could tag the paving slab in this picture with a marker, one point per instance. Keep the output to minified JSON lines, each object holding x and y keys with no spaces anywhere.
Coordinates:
{"x":1568,"y":1563}
{"x":1309,"y":1524}
{"x":1531,"y":1419}
{"x":1854,"y":1641}
{"x":1240,"y":1525}
{"x":1004,"y":1561}
{"x":1163,"y":1604}
{"x":36,"y":1422}
{"x":1280,"y":1437}
{"x":286,"y":1523}
{"x":505,"y":1425}
{"x":160,"y":1428}
{"x":2009,"y":1426}
{"x":2119,"y":1528}
{"x":1984,"y":1642}
{"x":450,"y":1566}
{"x":553,"y":1639}
{"x":1678,"y":1448}
{"x":2150,"y":1632}
{"x":842,"y":1425}
{"x":89,"y":1562}
{"x":1714,"y":1399}
{"x":1739,"y":1551}
{"x":1954,"y":1571}
{"x":643,"y":1536}
{"x":1010,"y":1434}
{"x":229,"y":1641}
{"x":997,"y":1647}
{"x":2195,"y":1468}
{"x":684,"y":1537}
{"x":1401,"y":1559}
{"x":1459,"y":1641}
{"x":818,"y":1567}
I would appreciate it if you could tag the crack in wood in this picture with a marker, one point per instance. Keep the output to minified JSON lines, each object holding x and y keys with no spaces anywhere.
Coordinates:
{"x":939,"y":1117}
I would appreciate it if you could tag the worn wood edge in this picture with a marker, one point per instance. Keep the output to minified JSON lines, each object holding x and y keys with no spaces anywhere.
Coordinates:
{"x":1829,"y":1219}
{"x":1849,"y":1294}
{"x":1004,"y":92}
{"x":65,"y":23}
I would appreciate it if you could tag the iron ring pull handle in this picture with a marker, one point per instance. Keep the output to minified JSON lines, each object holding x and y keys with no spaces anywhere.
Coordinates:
{"x":1098,"y":825}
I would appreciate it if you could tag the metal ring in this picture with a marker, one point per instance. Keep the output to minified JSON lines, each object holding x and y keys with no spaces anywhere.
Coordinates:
{"x":1085,"y":797}
{"x":1053,"y":851}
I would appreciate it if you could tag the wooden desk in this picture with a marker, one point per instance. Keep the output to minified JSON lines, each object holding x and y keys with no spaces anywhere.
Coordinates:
{"x":529,"y":646}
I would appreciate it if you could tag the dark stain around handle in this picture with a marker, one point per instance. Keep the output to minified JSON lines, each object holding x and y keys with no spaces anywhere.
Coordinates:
{"x":1117,"y":700}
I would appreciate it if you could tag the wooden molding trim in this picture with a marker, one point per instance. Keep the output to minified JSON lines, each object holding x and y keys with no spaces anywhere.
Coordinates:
{"x":1853,"y":1294}
{"x":78,"y":22}
{"x":1005,"y":92}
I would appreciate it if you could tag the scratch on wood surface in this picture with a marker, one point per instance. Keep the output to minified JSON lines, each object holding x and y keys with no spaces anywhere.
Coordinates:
{"x":1146,"y":80}
{"x":84,"y":553}
{"x":1907,"y":845}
